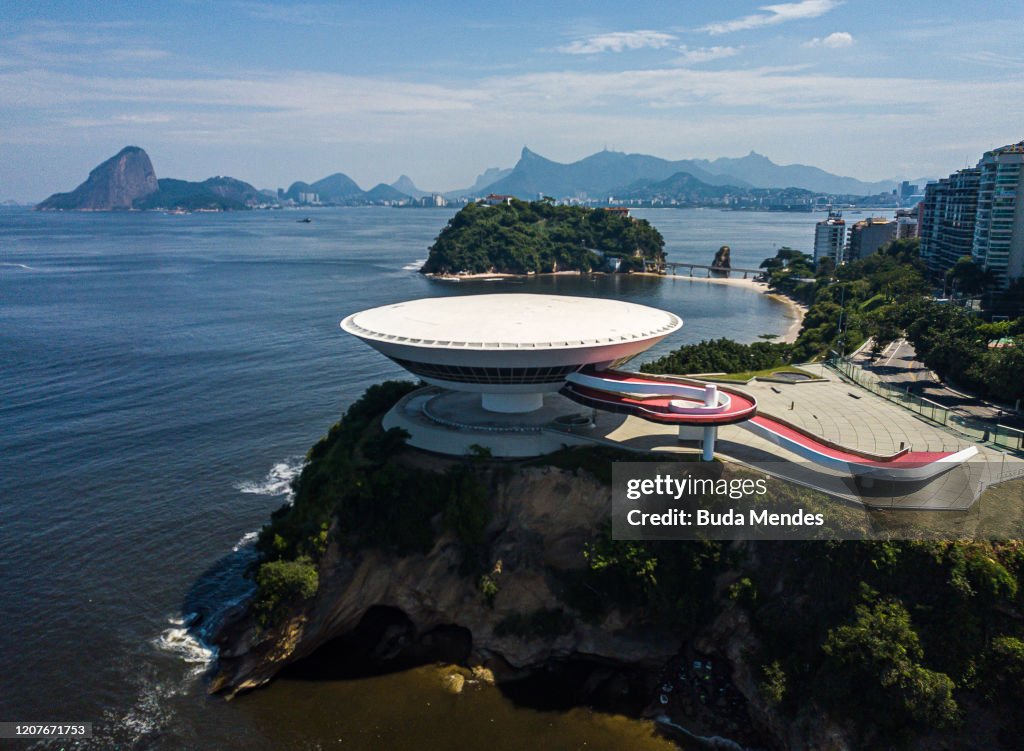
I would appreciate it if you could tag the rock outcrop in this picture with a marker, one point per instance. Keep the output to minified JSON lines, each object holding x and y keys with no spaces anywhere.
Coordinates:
{"x":722,"y":261}
{"x":722,"y":258}
{"x":541,"y":520}
{"x":116,"y":184}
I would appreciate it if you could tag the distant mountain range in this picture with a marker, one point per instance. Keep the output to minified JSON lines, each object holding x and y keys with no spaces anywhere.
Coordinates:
{"x":593,"y":177}
{"x":128,"y":181}
{"x":683,"y":190}
{"x":598,"y":176}
{"x":761,"y":172}
{"x":482,"y":185}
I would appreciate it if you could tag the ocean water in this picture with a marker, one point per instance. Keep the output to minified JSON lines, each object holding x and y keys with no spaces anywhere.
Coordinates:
{"x":160,"y":379}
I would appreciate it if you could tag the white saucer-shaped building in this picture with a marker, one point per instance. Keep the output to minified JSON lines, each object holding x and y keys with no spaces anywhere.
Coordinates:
{"x":511,"y":349}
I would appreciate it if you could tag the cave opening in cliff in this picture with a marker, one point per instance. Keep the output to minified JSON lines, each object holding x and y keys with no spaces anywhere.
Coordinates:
{"x":384,"y":641}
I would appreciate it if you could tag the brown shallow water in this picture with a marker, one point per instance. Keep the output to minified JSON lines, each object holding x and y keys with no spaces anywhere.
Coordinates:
{"x":412,"y":710}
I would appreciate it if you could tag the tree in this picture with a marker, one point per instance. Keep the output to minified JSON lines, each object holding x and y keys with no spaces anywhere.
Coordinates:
{"x":967,"y":277}
{"x":876,"y":662}
{"x":281,"y":584}
{"x":1004,"y":667}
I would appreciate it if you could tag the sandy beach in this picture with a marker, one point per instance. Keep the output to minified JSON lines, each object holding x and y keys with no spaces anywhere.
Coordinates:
{"x":794,"y":310}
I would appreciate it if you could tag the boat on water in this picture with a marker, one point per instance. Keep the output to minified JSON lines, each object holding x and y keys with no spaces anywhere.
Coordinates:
{"x":305,"y":220}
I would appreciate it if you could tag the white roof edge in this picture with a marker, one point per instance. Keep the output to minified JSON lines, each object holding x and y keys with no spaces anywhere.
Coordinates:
{"x":460,"y":340}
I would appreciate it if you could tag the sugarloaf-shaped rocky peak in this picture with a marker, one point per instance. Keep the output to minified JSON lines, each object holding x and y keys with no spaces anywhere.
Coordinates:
{"x":115,"y":184}
{"x":404,"y":184}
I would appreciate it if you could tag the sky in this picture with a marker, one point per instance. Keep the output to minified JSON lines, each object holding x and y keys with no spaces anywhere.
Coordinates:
{"x":274,"y":92}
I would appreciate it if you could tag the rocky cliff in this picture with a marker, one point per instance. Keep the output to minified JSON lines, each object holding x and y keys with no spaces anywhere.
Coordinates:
{"x":115,"y":184}
{"x":529,"y":621}
{"x":541,"y":520}
{"x":405,"y":558}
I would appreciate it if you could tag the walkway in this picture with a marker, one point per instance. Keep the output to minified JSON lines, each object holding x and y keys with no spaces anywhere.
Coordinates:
{"x":687,"y":403}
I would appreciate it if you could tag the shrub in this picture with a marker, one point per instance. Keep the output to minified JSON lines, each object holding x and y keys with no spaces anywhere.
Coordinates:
{"x":282,"y":584}
{"x":721,"y":356}
{"x":773,"y":683}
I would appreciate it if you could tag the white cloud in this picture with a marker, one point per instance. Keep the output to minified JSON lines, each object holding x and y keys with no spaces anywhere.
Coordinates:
{"x":834,"y":41}
{"x":617,"y":41}
{"x":704,"y":54}
{"x":774,"y":14}
{"x":360,"y":123}
{"x":74,"y":45}
{"x":323,"y":101}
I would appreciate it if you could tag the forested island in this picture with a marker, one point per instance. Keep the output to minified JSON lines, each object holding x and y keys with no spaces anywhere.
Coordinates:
{"x":539,"y":237}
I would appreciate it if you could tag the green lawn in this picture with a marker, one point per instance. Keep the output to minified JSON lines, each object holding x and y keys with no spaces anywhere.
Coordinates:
{"x":747,"y":375}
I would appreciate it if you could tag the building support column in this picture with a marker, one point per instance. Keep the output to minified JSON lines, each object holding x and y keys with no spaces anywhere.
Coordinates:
{"x":711,"y":431}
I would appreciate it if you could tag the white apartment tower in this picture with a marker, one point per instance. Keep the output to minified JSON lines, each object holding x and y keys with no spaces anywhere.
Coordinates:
{"x":830,"y":238}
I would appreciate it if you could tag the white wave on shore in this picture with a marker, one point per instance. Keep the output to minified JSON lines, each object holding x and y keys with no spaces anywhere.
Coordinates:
{"x":415,"y":265}
{"x":245,"y":541}
{"x":278,"y":481}
{"x":178,"y":640}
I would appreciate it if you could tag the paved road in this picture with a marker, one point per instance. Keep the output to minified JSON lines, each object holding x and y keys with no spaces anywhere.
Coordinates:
{"x":898,"y":364}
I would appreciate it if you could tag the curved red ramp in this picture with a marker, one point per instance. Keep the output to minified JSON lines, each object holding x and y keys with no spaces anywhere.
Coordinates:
{"x":663,"y":400}
{"x":677,"y":401}
{"x":905,"y":465}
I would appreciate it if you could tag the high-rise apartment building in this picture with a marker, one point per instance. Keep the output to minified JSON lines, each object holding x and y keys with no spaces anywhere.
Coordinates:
{"x":907,"y":223}
{"x":830,"y":238}
{"x":868,"y":235}
{"x":948,"y":217}
{"x":998,"y":242}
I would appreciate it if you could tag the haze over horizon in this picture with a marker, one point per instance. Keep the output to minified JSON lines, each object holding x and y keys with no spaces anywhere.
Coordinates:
{"x":274,"y":92}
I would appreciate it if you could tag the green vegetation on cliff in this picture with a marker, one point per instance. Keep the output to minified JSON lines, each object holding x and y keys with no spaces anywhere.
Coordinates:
{"x":355,"y":487}
{"x":281,"y":584}
{"x":898,"y":636}
{"x":521,"y":237}
{"x":353,"y":478}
